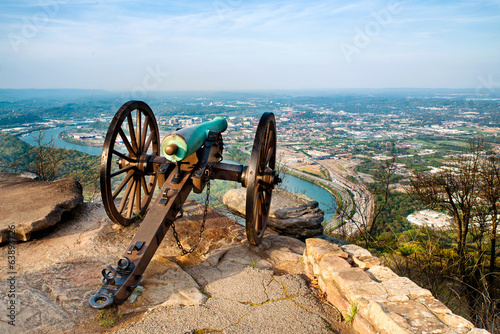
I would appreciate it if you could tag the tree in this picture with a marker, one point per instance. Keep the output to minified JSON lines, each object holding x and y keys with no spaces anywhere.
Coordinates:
{"x":42,"y":159}
{"x":468,"y":189}
{"x":366,"y":218}
{"x":452,"y":190}
{"x":45,"y":158}
{"x":490,"y":193}
{"x":381,"y":190}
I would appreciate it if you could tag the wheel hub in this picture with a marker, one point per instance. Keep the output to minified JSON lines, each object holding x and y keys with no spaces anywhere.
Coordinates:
{"x":143,"y":166}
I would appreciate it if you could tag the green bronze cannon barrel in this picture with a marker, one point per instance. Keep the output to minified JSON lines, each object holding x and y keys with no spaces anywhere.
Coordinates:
{"x":184,"y":142}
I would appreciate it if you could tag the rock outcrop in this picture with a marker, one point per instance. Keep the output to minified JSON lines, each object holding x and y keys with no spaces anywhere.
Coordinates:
{"x":32,"y":205}
{"x":293,"y":215}
{"x":226,"y":284}
{"x":376,"y":299}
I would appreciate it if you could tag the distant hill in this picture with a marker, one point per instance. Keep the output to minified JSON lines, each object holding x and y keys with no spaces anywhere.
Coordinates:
{"x":21,"y":106}
{"x":11,"y":95}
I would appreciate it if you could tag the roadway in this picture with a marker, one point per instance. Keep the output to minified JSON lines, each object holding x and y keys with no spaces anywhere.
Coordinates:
{"x":363,"y":199}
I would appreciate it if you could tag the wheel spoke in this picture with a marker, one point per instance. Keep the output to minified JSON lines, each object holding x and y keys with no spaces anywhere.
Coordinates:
{"x":144,"y":133}
{"x":264,"y":151}
{"x":127,"y":143}
{"x":131,"y":200}
{"x":259,"y":201}
{"x":123,"y":156}
{"x":138,"y":128}
{"x":123,"y":183}
{"x":138,"y":196}
{"x":268,"y":194}
{"x":264,"y":185}
{"x":148,"y":142}
{"x":144,"y":186}
{"x":261,"y":206}
{"x":269,"y":156}
{"x":125,"y":196}
{"x":120,"y":171}
{"x":132,"y":132}
{"x":151,"y":182}
{"x":261,"y":195}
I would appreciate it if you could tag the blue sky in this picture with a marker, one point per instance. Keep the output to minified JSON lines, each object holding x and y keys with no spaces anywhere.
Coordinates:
{"x":248,"y":45}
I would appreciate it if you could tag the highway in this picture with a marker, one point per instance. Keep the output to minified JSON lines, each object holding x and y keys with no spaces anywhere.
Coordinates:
{"x":363,"y":199}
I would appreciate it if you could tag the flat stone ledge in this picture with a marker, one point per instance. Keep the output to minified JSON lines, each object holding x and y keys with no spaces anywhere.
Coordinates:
{"x":386,"y":303}
{"x":290,"y":214}
{"x":30,"y":206}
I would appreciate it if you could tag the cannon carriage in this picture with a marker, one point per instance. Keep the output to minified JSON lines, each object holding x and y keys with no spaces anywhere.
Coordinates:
{"x":134,"y":162}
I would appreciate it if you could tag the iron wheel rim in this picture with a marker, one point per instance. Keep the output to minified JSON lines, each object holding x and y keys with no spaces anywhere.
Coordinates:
{"x":137,"y":185}
{"x":259,"y":194}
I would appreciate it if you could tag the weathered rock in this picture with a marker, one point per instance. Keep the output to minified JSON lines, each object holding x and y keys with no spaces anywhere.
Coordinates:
{"x":365,"y":293}
{"x":354,"y":250}
{"x":366,"y":262}
{"x":318,"y":248}
{"x":166,"y":284}
{"x":478,"y":331}
{"x":336,"y":297}
{"x":346,"y":277}
{"x":332,"y":263}
{"x":30,"y":205}
{"x":456,"y":321}
{"x":381,"y":273}
{"x":403,"y":286}
{"x":360,"y":325}
{"x":403,"y":317}
{"x":293,"y":215}
{"x":385,"y":302}
{"x":332,"y":240}
{"x":434,"y":305}
{"x":56,"y":275}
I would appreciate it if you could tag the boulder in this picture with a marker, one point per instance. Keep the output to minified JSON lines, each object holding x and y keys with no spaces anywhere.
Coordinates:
{"x":293,"y":215}
{"x":29,"y":205}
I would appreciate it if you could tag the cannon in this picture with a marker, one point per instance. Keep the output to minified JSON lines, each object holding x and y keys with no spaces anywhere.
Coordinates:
{"x":134,"y":162}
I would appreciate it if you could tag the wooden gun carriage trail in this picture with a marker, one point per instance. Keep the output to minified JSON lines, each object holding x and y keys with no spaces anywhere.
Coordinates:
{"x":134,"y":162}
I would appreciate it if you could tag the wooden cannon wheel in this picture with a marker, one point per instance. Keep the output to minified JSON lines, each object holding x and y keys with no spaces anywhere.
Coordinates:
{"x":260,"y":178}
{"x":127,"y":174}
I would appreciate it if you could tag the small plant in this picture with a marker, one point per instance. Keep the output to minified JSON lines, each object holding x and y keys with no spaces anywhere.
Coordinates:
{"x":106,"y":322}
{"x":351,"y":313}
{"x":253,"y":264}
{"x":108,"y":317}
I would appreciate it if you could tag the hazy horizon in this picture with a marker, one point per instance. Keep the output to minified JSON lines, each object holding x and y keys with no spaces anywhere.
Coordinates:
{"x":231,"y":45}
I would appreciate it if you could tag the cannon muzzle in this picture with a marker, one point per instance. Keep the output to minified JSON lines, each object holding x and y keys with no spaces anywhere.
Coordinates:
{"x":184,"y":142}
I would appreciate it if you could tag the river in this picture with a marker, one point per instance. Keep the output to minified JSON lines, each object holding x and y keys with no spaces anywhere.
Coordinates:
{"x":53,"y":133}
{"x":291,"y":183}
{"x":325,"y":199}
